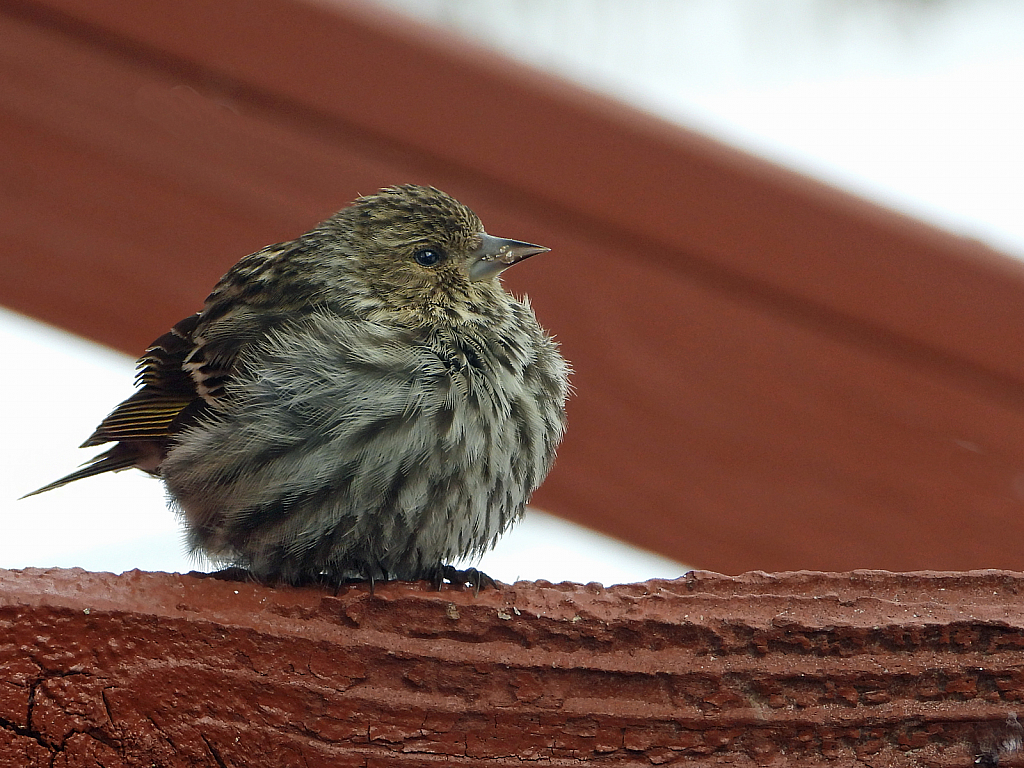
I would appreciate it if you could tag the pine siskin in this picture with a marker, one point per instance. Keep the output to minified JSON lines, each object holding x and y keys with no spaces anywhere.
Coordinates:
{"x":366,"y":401}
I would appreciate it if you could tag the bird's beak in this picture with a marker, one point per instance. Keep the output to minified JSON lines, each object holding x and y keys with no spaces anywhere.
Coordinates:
{"x":496,"y":254}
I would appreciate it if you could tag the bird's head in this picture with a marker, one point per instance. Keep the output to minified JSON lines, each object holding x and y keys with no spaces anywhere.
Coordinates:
{"x":417,"y":250}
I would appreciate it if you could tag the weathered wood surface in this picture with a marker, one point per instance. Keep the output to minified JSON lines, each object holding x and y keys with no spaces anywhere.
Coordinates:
{"x":800,"y":669}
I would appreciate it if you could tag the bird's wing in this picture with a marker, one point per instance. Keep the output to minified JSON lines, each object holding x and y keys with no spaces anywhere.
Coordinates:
{"x":167,"y":389}
{"x":185,"y":371}
{"x":143,"y":422}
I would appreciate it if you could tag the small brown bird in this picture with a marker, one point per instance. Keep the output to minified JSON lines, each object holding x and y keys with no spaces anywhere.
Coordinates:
{"x":363,"y":402}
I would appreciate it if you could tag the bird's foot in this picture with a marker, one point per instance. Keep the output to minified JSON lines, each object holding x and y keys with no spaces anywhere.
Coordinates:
{"x":231,"y":573}
{"x":471,"y":577}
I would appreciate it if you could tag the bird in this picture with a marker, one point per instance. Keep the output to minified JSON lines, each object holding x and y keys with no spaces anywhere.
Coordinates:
{"x":366,"y":402}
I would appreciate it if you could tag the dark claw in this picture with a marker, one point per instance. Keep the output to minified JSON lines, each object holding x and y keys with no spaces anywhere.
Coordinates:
{"x":378,"y":573}
{"x":469,"y":577}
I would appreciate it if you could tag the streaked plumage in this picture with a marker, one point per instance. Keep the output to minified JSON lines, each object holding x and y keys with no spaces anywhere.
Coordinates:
{"x":344,"y":408}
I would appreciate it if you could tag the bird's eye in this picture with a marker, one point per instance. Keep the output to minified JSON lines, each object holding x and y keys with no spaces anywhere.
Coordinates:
{"x":428,"y":257}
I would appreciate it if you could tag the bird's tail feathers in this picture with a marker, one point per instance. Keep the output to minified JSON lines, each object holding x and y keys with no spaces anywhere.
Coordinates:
{"x":109,"y":461}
